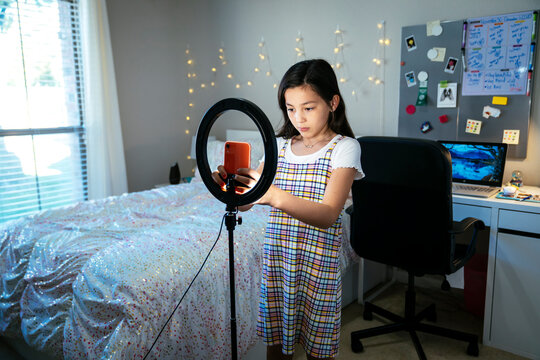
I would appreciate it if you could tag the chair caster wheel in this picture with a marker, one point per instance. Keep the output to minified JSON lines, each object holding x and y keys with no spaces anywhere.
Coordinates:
{"x":472,"y":349}
{"x":356,"y":346}
{"x":445,"y":285}
{"x":368,"y":315}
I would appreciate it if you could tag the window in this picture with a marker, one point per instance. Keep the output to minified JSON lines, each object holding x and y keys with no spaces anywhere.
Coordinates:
{"x":42,"y":132}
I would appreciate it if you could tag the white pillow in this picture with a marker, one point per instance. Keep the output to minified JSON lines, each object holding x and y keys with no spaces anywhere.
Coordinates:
{"x":215,"y":152}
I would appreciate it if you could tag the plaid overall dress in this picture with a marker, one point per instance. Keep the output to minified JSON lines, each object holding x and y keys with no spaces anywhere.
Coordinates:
{"x":301,"y":279}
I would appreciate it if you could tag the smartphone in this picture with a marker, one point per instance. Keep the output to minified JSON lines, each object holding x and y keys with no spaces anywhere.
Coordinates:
{"x":237,"y":155}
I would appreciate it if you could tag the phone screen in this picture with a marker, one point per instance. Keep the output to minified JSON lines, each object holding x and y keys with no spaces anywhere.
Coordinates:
{"x":237,"y":155}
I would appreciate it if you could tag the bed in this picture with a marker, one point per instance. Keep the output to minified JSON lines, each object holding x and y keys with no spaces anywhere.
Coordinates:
{"x":100,"y":278}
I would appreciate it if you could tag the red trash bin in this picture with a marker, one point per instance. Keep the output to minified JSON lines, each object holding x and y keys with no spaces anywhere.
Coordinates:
{"x":475,"y":274}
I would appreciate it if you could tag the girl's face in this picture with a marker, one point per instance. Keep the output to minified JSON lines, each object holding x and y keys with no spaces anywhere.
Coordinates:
{"x":307,"y":111}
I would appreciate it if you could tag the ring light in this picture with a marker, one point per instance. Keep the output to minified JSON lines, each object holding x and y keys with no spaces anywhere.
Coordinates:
{"x":270,"y":151}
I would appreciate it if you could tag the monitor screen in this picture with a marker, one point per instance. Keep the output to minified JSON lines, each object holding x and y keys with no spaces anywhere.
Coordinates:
{"x":476,"y":162}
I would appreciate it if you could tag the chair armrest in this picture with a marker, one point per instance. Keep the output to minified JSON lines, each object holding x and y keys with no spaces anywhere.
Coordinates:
{"x":463,"y":225}
{"x":458,"y":260}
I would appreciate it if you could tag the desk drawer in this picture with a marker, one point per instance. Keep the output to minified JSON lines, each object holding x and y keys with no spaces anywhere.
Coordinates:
{"x":519,"y":221}
{"x":461,"y":211}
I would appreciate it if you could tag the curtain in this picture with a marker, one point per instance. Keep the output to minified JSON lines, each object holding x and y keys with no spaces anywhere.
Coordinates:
{"x":106,"y":163}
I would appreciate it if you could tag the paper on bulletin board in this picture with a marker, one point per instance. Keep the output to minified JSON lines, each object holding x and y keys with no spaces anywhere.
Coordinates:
{"x":498,"y":53}
{"x":447,"y":95}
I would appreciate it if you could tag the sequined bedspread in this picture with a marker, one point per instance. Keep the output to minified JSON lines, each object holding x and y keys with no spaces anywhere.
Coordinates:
{"x":100,"y":279}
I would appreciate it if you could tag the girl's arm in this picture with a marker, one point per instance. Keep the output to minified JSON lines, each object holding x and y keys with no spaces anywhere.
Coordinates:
{"x":321,"y":215}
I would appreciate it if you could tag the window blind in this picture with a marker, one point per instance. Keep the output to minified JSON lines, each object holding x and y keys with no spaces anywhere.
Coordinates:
{"x":42,"y":129}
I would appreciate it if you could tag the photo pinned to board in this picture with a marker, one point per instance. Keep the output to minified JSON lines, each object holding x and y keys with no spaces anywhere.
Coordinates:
{"x":451,"y":65}
{"x":410,"y":78}
{"x":426,"y":127}
{"x":411,"y":43}
{"x":446,"y":95}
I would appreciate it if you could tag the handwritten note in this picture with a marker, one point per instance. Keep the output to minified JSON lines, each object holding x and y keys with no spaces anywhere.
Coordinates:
{"x":497,"y":54}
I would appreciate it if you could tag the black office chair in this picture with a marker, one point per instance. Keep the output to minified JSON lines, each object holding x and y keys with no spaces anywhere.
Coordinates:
{"x":402,"y":216}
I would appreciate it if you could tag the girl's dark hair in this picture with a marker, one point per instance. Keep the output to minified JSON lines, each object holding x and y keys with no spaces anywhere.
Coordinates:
{"x":319,"y":75}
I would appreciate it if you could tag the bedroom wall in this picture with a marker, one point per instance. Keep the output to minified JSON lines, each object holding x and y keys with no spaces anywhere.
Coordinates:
{"x":149,"y":38}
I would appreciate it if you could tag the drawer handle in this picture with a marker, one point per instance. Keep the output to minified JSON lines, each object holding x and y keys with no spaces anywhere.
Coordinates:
{"x":519,"y":233}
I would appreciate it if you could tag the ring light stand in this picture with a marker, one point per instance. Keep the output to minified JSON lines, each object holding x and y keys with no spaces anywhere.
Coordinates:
{"x":230,"y":197}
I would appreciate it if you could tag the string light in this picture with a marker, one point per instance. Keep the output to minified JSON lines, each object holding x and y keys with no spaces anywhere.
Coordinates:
{"x":263,"y":66}
{"x":299,"y":49}
{"x":378,"y":60}
{"x":339,"y":56}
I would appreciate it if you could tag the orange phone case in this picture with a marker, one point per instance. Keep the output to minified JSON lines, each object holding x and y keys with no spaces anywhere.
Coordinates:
{"x":237,"y":155}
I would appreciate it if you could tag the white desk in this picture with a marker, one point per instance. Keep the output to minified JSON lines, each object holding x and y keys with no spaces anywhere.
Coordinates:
{"x":512,"y":306}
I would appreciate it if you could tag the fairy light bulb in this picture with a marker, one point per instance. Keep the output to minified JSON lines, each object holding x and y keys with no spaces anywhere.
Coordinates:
{"x":224,"y":62}
{"x":229,"y":76}
{"x":238,"y":86}
{"x":191,"y":90}
{"x":375,"y":60}
{"x":256,"y":70}
{"x":377,"y":81}
{"x":342,"y":80}
{"x":379,"y":25}
{"x":188,"y":157}
{"x":261,"y":56}
{"x":194,"y":75}
{"x":212,"y":83}
{"x":221,"y":50}
{"x":190,"y":62}
{"x":370,"y":78}
{"x":386,"y":42}
{"x":214,"y":69}
{"x":336,"y":50}
{"x":190,"y":105}
{"x":188,"y":118}
{"x":275,"y":85}
{"x":187,"y":51}
{"x":381,"y":41}
{"x":338,"y":66}
{"x":261,"y":44}
{"x":187,"y":131}
{"x":249,"y":83}
{"x":203,"y":85}
{"x":268,"y":73}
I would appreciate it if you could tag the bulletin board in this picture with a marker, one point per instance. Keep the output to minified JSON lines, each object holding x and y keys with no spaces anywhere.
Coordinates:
{"x":456,"y":75}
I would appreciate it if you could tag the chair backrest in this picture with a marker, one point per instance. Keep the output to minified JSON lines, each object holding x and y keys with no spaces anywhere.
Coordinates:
{"x":403,"y":207}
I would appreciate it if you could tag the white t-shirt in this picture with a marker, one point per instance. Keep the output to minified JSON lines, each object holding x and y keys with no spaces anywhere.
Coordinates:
{"x":346,"y":154}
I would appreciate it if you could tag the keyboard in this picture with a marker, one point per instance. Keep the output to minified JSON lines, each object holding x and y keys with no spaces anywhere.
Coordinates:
{"x":473,"y":190}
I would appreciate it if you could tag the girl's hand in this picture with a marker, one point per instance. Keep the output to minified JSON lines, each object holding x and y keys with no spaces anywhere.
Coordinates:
{"x":220,"y":176}
{"x":248,"y":178}
{"x":243,"y":181}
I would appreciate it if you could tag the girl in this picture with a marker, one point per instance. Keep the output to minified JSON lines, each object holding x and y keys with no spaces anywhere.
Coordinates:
{"x":317,"y":163}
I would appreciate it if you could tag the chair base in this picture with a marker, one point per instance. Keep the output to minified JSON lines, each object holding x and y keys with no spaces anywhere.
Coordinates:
{"x":410,"y":323}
